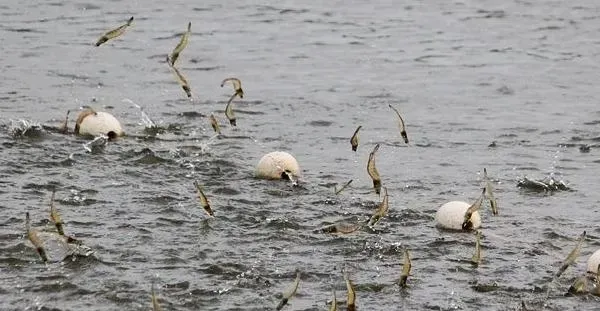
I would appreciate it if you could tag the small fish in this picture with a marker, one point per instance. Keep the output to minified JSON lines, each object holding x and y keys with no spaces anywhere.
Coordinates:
{"x":401,"y":124}
{"x":229,"y":111}
{"x":342,"y":228}
{"x":114,"y":33}
{"x":287,"y":295}
{"x":338,"y":191}
{"x":372,"y":170}
{"x":572,"y":255}
{"x":579,"y":286}
{"x":354,"y":139}
{"x":182,"y":80}
{"x":34,"y":239}
{"x":476,"y":259}
{"x":181,"y":45}
{"x":203,"y":200}
{"x":64,"y":128}
{"x":351,"y":301}
{"x":489,"y":193}
{"x":215,"y":124}
{"x":381,"y":210}
{"x":405,"y":269}
{"x":467,"y":224}
{"x":55,"y":216}
{"x":155,"y":305}
{"x":237,"y":86}
{"x":333,"y":306}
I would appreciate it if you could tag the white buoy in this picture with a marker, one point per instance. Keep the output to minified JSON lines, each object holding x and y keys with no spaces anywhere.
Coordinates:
{"x":452,"y":215}
{"x":273,"y":165}
{"x":97,"y":123}
{"x":593,"y":262}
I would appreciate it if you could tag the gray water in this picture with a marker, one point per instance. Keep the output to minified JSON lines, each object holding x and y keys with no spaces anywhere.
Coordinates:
{"x":464,"y":74}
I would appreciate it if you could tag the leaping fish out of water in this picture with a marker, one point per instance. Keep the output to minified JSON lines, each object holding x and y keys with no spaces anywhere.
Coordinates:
{"x":181,"y":45}
{"x":181,"y":79}
{"x":114,"y":33}
{"x":406,"y":265}
{"x":338,"y":191}
{"x":342,"y":228}
{"x":215,"y":124}
{"x":229,"y":111}
{"x":351,"y":300}
{"x":572,"y":255}
{"x":467,"y":224}
{"x":237,"y":86}
{"x":489,"y":193}
{"x":155,"y":304}
{"x":372,"y":170}
{"x":381,"y":210}
{"x":401,"y":125}
{"x":64,"y":128}
{"x":333,"y":306}
{"x":55,"y":216}
{"x":354,"y":139}
{"x":476,"y":259}
{"x":32,"y":235}
{"x":287,"y":295}
{"x":203,"y":200}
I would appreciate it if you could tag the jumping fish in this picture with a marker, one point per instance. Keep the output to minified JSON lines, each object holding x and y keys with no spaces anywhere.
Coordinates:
{"x":476,"y":259}
{"x":467,"y":224}
{"x":333,"y":306}
{"x":405,"y":269}
{"x":351,"y":300}
{"x":572,"y":255}
{"x":381,"y":210}
{"x":155,"y":305}
{"x":401,"y":124}
{"x":342,"y":228}
{"x":237,"y":86}
{"x":114,"y":33}
{"x":181,"y":45}
{"x":372,"y":170}
{"x":287,"y":295}
{"x":32,"y":235}
{"x":338,"y":191}
{"x":229,"y":111}
{"x":181,"y":79}
{"x":203,"y":200}
{"x":64,"y":128}
{"x":354,"y":139}
{"x":215,"y":124}
{"x":55,"y":216}
{"x":489,"y":193}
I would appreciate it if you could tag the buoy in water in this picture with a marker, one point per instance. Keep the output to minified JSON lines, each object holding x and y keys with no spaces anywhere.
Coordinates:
{"x":277,"y":165}
{"x":593,"y":262}
{"x":452,"y":215}
{"x":97,"y":123}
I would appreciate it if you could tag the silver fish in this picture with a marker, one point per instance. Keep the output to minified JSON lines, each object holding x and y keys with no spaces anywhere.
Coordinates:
{"x":476,"y":259}
{"x":181,"y":79}
{"x":372,"y":170}
{"x":351,"y":300}
{"x":381,"y":210}
{"x":32,"y":235}
{"x":181,"y":45}
{"x":215,"y":124}
{"x":489,"y":193}
{"x":354,"y":139}
{"x":401,"y":124}
{"x":572,"y":255}
{"x":405,"y":269}
{"x":338,"y":191}
{"x":229,"y":111}
{"x":203,"y":200}
{"x":237,"y":86}
{"x":114,"y":33}
{"x":287,"y":295}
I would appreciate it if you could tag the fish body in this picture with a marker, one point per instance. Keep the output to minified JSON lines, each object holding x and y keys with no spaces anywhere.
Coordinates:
{"x":181,"y":45}
{"x":467,"y":224}
{"x":351,"y":300}
{"x":287,"y":295}
{"x":372,"y":170}
{"x":489,"y":193}
{"x":181,"y":79}
{"x":55,"y":216}
{"x":237,"y":86}
{"x":114,"y":33}
{"x":354,"y":139}
{"x":572,"y":255}
{"x":32,"y":235}
{"x":401,"y":125}
{"x":381,"y":210}
{"x":338,"y":191}
{"x":64,"y":128}
{"x":215,"y":124}
{"x":229,"y":111}
{"x":333,"y":306}
{"x":342,"y":228}
{"x":203,"y":200}
{"x":476,"y":259}
{"x":405,"y":269}
{"x":155,"y":304}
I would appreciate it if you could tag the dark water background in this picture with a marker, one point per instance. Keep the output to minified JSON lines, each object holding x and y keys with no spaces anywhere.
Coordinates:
{"x":464,"y":73}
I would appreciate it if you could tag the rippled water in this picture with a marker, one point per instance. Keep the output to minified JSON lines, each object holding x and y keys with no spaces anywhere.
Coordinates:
{"x":464,"y":74}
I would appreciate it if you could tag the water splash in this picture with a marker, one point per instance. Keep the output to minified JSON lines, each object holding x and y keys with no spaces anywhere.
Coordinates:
{"x":97,"y":145}
{"x":25,"y":128}
{"x":146,"y":120}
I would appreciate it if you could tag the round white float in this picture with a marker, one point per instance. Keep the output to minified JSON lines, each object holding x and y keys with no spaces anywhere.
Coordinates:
{"x":593,"y":262}
{"x":273,"y":164}
{"x":452,"y":214}
{"x":98,"y":123}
